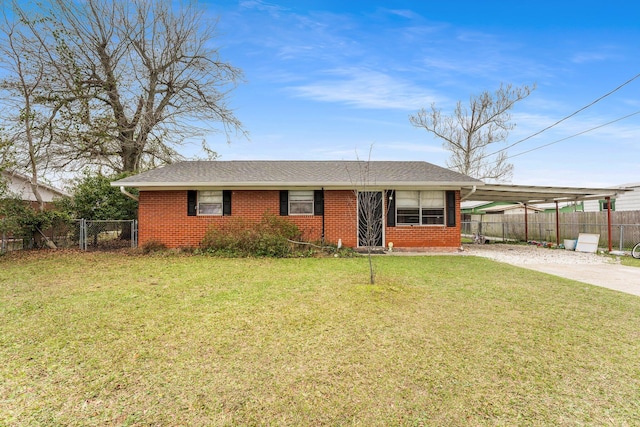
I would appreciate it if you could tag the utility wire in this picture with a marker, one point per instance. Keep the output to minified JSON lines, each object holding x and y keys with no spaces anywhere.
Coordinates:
{"x":573,"y":136}
{"x":565,"y":118}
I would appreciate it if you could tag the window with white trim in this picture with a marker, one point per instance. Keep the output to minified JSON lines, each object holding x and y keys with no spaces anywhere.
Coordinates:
{"x":301,"y":202}
{"x":209,"y":202}
{"x":420,"y":207}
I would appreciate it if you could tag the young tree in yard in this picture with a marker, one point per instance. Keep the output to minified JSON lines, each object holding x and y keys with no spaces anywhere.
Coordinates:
{"x":370,"y":224}
{"x":369,"y":209}
{"x":471,"y":129}
{"x":129,"y":80}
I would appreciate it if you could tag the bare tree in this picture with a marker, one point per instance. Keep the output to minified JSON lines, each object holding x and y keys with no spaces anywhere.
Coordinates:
{"x":129,"y":80}
{"x":27,"y":123}
{"x":370,"y":224}
{"x":369,"y":211}
{"x":470,"y":130}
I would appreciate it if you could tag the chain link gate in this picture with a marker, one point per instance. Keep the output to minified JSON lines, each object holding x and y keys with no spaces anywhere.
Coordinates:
{"x":106,"y":235}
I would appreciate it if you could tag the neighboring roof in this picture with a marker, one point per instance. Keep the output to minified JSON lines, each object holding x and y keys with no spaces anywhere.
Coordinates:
{"x":468,"y":204}
{"x":633,"y":185}
{"x":279,"y":174}
{"x":482,"y":205}
{"x":537,"y":194}
{"x":21,"y":184}
{"x":503,"y":208}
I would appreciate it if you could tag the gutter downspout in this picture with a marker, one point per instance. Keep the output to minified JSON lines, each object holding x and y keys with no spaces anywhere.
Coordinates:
{"x":473,"y":190}
{"x":129,"y":195}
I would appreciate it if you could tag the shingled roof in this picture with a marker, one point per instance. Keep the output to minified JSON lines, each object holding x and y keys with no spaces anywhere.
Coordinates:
{"x":282,"y":174}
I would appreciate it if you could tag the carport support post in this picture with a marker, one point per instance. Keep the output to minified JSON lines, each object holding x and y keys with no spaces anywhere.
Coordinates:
{"x":526,"y":224}
{"x":557,"y":224}
{"x":608,"y":199}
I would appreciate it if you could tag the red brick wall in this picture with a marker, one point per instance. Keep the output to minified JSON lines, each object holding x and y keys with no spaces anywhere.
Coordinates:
{"x":340,"y":217}
{"x":426,"y":236}
{"x":163,"y":216}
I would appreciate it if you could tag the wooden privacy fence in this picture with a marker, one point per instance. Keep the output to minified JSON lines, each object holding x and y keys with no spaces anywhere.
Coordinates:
{"x":625,"y":229}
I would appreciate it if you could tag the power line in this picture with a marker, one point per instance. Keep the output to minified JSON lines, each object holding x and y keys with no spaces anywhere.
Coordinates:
{"x":565,"y":118}
{"x":573,"y":136}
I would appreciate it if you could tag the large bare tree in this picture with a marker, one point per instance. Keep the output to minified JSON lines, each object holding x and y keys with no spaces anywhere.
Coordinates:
{"x":128,"y":81}
{"x":471,"y":129}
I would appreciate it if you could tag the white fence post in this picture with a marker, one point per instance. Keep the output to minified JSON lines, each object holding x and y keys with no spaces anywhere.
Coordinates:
{"x":134,"y":233}
{"x":80,"y":234}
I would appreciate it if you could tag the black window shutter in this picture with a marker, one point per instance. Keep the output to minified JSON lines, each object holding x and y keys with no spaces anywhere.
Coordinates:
{"x":318,"y":202}
{"x":226,"y":202}
{"x":192,"y":202}
{"x":391,"y":211}
{"x":451,"y":208}
{"x":284,"y":202}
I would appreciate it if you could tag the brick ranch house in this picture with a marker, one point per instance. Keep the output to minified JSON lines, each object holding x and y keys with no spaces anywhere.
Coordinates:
{"x":421,"y":201}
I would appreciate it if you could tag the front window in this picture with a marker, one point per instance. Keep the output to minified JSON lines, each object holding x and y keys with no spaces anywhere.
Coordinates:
{"x":301,"y":202}
{"x":209,"y":202}
{"x":408,"y":207}
{"x":420,"y":207}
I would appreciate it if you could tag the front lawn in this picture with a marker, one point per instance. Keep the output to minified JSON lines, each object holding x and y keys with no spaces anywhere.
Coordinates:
{"x":112,"y":339}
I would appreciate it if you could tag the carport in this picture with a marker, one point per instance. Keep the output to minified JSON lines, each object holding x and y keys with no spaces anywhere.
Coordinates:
{"x":529,"y":194}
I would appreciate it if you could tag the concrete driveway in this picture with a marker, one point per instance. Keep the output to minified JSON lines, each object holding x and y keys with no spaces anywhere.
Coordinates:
{"x":613,"y":276}
{"x":589,"y":268}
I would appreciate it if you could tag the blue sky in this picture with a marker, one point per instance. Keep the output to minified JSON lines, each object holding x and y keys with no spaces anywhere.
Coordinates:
{"x":327,"y":80}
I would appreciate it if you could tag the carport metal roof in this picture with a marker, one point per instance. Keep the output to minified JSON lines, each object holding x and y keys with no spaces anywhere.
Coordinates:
{"x":536,"y":194}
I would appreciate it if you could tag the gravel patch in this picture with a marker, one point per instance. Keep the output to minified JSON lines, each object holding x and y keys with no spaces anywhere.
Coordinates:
{"x":532,"y":254}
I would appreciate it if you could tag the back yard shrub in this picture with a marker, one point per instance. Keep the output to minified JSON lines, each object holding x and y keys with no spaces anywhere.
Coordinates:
{"x":270,"y":237}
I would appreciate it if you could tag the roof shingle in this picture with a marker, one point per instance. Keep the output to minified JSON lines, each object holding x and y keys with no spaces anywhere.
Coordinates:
{"x":296,"y":173}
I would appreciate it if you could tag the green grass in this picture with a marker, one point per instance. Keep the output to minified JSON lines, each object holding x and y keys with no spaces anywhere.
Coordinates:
{"x":627,"y":260}
{"x":111,"y":339}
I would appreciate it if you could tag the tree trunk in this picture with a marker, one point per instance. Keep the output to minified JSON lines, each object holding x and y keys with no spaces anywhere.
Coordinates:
{"x":130,"y":157}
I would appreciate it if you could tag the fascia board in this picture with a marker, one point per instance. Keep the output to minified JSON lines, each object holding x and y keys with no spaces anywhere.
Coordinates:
{"x":157,"y":186}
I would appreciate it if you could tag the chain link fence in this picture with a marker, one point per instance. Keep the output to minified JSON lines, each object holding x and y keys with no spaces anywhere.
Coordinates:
{"x":14,"y":237}
{"x":84,"y":234}
{"x":8,"y":241}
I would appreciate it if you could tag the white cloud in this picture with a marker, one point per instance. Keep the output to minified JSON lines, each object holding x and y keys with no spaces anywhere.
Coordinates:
{"x":599,"y":55}
{"x":363,"y":88}
{"x":405,"y":13}
{"x":262,"y":6}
